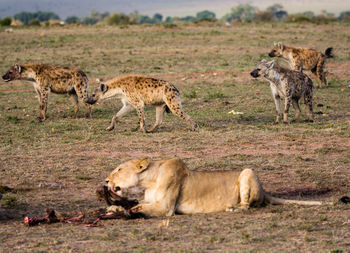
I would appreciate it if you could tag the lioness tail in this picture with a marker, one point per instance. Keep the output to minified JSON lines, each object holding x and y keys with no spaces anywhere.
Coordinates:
{"x":279,"y":201}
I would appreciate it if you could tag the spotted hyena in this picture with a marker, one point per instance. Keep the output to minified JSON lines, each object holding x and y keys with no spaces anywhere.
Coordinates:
{"x":48,"y":78}
{"x":136,"y":92}
{"x":304,"y":59}
{"x":288,"y":84}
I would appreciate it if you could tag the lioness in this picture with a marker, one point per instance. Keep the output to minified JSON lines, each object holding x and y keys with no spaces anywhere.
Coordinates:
{"x":170,"y":187}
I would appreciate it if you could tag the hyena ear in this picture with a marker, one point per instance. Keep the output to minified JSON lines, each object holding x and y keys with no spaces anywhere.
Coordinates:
{"x":270,"y":64}
{"x":280,"y":45}
{"x":103,"y":87}
{"x":18,"y":68}
{"x":275,"y":43}
{"x":143,"y":164}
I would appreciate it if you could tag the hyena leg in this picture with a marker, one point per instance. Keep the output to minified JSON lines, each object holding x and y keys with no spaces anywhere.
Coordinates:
{"x":75,"y":102}
{"x":37,"y":91}
{"x":296,"y":108}
{"x":124,"y":110}
{"x":277,"y":101}
{"x":174,"y":104}
{"x":321,"y":75}
{"x":308,"y":102}
{"x":141,"y":114}
{"x":159,"y":117}
{"x":287,"y":102}
{"x":43,"y":104}
{"x":82,"y":92}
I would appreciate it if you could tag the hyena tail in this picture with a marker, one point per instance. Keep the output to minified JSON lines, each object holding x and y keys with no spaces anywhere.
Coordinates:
{"x":167,"y":109}
{"x":329,"y":52}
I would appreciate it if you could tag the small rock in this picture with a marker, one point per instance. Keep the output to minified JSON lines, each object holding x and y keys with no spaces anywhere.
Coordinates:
{"x":51,"y":185}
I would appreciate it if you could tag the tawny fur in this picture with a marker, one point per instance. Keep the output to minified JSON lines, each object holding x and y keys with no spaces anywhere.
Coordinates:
{"x":48,"y":78}
{"x":136,"y":92}
{"x":170,"y":187}
{"x":304,"y":59}
{"x":286,"y":84}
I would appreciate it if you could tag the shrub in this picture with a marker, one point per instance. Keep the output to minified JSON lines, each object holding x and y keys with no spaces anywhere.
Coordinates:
{"x":72,"y":20}
{"x":297,"y":18}
{"x":6,"y":21}
{"x":264,"y":16}
{"x":34,"y":22}
{"x":118,"y":19}
{"x":321,"y":19}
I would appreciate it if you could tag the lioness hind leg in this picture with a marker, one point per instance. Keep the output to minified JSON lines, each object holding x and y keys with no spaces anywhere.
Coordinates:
{"x":250,"y":190}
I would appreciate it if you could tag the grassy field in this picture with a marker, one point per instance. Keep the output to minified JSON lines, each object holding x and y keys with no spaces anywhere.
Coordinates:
{"x":59,"y":163}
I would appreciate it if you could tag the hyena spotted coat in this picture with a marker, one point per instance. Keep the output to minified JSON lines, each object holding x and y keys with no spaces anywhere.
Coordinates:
{"x":304,"y":59}
{"x":136,"y":92}
{"x":288,"y":84}
{"x":48,"y":78}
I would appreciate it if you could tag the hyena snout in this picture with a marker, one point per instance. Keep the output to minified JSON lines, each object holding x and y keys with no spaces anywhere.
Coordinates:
{"x":255,"y":73}
{"x":91,"y":100}
{"x":6,"y":77}
{"x":272,"y":53}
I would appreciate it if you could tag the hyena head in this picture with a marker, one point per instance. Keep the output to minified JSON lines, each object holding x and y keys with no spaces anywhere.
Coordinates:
{"x":97,"y":94}
{"x":262,"y":68}
{"x":13,"y":73}
{"x":277,"y":50}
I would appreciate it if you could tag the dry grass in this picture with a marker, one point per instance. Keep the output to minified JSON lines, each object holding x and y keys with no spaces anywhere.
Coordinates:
{"x":210,"y":65}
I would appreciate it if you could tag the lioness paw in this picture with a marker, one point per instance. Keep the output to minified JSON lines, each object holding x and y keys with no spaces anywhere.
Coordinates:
{"x":241,"y":209}
{"x":136,"y":209}
{"x":115,"y":209}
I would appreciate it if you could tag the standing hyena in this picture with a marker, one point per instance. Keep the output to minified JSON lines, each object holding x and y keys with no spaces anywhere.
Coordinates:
{"x":288,"y":84}
{"x":304,"y":59}
{"x":136,"y":92}
{"x":48,"y":78}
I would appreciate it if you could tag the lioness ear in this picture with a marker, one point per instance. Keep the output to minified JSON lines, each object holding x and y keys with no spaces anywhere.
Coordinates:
{"x":274,"y":43}
{"x":18,"y":68}
{"x":143,"y":164}
{"x":103,"y":87}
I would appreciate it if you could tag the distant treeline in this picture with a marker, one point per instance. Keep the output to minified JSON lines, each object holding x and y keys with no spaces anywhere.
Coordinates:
{"x":240,"y":13}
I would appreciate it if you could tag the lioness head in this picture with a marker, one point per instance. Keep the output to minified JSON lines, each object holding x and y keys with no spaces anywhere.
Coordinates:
{"x":262,"y":68}
{"x":13,"y":73}
{"x":97,"y":94}
{"x":126,"y":175}
{"x":277,"y":50}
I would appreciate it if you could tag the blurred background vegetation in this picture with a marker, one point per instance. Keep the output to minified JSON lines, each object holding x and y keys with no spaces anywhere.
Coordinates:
{"x":239,"y":13}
